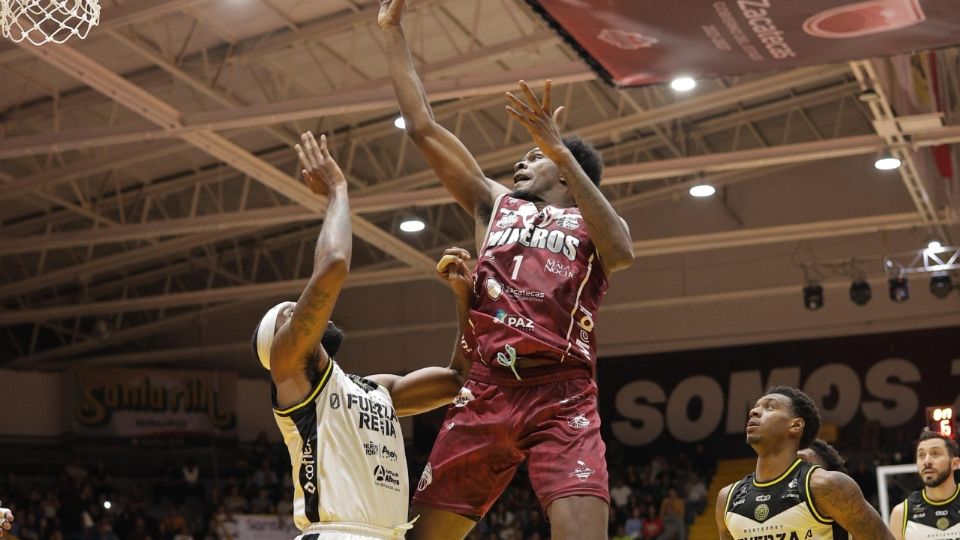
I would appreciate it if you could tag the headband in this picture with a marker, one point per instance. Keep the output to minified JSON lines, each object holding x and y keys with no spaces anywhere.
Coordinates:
{"x":265,"y":334}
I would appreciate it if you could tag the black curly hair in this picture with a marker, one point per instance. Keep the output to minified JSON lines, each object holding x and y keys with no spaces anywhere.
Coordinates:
{"x":803,"y":407}
{"x":832,"y":460}
{"x":587,"y":156}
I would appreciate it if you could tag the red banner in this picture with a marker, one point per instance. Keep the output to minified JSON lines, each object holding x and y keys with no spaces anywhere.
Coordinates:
{"x":637,"y":42}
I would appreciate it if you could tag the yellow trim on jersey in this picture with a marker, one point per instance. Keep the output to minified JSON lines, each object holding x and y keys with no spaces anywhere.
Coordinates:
{"x":923,"y":493}
{"x":779,"y":478}
{"x":813,"y":508}
{"x":313,"y":395}
{"x":906,"y":506}
{"x":733,"y":488}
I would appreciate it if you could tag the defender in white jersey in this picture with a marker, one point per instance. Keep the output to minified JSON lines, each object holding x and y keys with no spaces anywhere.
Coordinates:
{"x":786,"y":498}
{"x":342,"y":433}
{"x":933,"y":513}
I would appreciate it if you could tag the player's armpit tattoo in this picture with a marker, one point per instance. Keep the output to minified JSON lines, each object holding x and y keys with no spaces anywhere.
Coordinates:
{"x":305,"y":316}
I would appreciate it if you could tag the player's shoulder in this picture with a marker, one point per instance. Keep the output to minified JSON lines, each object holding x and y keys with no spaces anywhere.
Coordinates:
{"x":832,"y":485}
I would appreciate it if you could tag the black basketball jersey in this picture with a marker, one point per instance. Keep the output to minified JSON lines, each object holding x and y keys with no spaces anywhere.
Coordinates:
{"x":779,"y":510}
{"x":924,"y":519}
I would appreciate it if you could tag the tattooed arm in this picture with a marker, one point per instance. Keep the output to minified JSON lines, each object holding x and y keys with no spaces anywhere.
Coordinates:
{"x":836,"y":496}
{"x":297,"y":339}
{"x":720,"y":513}
{"x":608,"y":231}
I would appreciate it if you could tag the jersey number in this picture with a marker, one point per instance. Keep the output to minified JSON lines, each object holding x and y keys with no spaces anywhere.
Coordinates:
{"x":516,"y":266}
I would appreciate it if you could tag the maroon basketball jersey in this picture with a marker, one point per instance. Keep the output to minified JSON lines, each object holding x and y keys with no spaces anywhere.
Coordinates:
{"x":538,"y":285}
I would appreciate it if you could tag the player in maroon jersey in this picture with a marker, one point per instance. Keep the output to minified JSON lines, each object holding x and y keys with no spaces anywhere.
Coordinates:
{"x":545,"y":251}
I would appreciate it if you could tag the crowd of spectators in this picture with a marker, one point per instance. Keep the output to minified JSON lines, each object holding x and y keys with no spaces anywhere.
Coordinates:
{"x":655,"y":498}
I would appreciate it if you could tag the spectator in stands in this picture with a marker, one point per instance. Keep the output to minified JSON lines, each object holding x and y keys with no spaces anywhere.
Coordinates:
{"x":620,"y":493}
{"x":696,"y":498}
{"x":634,"y":524}
{"x":653,"y":525}
{"x":672,"y":510}
{"x":6,"y":520}
{"x":622,"y":534}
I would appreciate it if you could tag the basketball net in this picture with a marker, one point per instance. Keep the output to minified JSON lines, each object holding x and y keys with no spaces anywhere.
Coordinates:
{"x":47,"y":21}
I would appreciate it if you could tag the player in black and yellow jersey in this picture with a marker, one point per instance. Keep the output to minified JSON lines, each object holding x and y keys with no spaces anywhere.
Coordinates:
{"x":787,"y":498}
{"x":934,"y":511}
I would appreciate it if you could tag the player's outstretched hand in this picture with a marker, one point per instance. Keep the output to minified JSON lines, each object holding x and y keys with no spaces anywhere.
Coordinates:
{"x":391,"y":13}
{"x":452,"y":269}
{"x":537,"y":117}
{"x":321,"y":172}
{"x":6,"y":519}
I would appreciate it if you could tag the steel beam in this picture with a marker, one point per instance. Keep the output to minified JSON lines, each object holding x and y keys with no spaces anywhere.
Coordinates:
{"x":642,"y":248}
{"x":165,"y":116}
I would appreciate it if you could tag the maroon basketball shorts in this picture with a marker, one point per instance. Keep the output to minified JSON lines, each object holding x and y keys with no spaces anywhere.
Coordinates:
{"x":550,"y":418}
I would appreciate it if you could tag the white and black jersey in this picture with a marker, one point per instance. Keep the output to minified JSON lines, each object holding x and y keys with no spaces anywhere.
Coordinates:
{"x":924,"y":519}
{"x":782,"y":509}
{"x":347,"y":453}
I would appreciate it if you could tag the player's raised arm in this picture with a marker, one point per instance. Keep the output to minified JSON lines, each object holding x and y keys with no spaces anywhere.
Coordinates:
{"x":720,"y":513}
{"x":836,"y":496}
{"x":608,"y":230}
{"x":431,"y":387}
{"x":297,"y":338}
{"x":449,"y":158}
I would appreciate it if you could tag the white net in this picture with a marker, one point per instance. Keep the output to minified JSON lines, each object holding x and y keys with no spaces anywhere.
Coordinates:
{"x":46,"y":21}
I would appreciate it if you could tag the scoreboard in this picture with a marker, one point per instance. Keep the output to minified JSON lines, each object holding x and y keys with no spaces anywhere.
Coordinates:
{"x":942,"y":420}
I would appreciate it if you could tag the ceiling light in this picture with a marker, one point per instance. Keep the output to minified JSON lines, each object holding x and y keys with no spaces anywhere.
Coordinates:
{"x":941,"y":284}
{"x":702,"y":190}
{"x":683,"y":84}
{"x":934,"y":245}
{"x":886,"y":161}
{"x":860,"y":292}
{"x":813,"y":296}
{"x":400,"y":123}
{"x":412,"y":225}
{"x":107,"y":505}
{"x":899,"y":289}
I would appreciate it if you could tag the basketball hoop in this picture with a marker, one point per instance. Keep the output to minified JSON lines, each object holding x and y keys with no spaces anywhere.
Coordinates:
{"x":46,"y":21}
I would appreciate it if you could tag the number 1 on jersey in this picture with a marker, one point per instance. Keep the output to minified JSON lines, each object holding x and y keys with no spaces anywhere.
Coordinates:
{"x":516,"y":266}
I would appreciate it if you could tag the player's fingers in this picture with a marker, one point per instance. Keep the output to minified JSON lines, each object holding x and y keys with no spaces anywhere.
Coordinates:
{"x":303,"y":158}
{"x":546,"y":95}
{"x":314,"y":149}
{"x":521,"y":118}
{"x":518,"y":104}
{"x":311,"y":161}
{"x":531,"y":97}
{"x":445,"y":262}
{"x":556,"y":114}
{"x":323,"y":146}
{"x":458,"y":251}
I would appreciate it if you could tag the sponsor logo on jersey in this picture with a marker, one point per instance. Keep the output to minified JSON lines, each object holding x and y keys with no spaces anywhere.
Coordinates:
{"x":465,"y":396}
{"x":426,"y":478}
{"x":514,"y":321}
{"x":384,"y":477}
{"x":555,"y":241}
{"x":371,"y":448}
{"x":566,"y":271}
{"x":387,"y":453}
{"x":582,"y":472}
{"x":761,"y":512}
{"x":373,"y":415}
{"x":585,"y":322}
{"x":494,"y":288}
{"x":774,"y":532}
{"x":524,"y":295}
{"x":579,"y":422}
{"x":307,"y":469}
{"x":569,"y":221}
{"x":450,"y":425}
{"x":763,"y":498}
{"x":943,"y":523}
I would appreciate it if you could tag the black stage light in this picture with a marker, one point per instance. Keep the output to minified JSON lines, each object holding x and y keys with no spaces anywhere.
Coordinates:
{"x":899,"y":289}
{"x":813,"y":296}
{"x":860,"y":292}
{"x":941,"y":285}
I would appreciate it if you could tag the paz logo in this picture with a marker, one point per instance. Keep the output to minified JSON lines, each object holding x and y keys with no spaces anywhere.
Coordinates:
{"x":762,"y":512}
{"x":943,"y":523}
